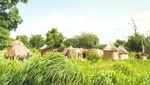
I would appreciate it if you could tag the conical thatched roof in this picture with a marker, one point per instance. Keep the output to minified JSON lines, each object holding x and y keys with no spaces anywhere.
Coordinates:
{"x":110,"y":47}
{"x":17,"y":48}
{"x":122,"y":50}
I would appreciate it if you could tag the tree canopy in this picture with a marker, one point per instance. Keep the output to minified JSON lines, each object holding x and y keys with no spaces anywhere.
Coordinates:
{"x":120,"y":42}
{"x":36,"y":41}
{"x":5,"y":40}
{"x":9,"y":14}
{"x":84,"y":40}
{"x":23,"y":38}
{"x":134,"y":43}
{"x":54,"y":39}
{"x":9,"y":20}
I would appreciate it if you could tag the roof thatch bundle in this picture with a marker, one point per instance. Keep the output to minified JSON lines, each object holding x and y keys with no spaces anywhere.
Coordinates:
{"x":123,"y":53}
{"x":122,"y":50}
{"x":110,"y":52}
{"x":17,"y":50}
{"x":45,"y":50}
{"x":110,"y":47}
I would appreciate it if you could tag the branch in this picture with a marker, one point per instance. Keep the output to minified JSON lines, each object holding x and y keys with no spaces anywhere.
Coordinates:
{"x":133,"y":26}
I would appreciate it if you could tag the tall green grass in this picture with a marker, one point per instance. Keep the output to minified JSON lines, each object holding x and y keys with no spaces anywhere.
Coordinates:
{"x":55,"y":69}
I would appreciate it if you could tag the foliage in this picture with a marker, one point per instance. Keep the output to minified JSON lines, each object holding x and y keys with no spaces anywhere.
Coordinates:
{"x":8,"y":70}
{"x":132,"y":55}
{"x":36,"y":41}
{"x":9,"y":20}
{"x":102,"y":46}
{"x":84,"y":40}
{"x":148,"y":43}
{"x":129,"y":72}
{"x":119,"y":42}
{"x":54,"y":69}
{"x":93,"y":57}
{"x":5,"y":40}
{"x":88,"y":40}
{"x":134,"y":43}
{"x":54,"y":38}
{"x":23,"y":39}
{"x":61,"y":48}
{"x":71,"y":42}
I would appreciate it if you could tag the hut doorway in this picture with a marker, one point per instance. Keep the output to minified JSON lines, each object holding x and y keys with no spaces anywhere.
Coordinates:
{"x":84,"y":55}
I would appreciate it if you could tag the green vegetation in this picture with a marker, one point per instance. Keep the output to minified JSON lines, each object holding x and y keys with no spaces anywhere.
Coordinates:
{"x":93,"y":57}
{"x":84,"y":40}
{"x":54,"y":69}
{"x":9,"y":20}
{"x":120,"y":42}
{"x":54,"y":38}
{"x":23,"y":39}
{"x":135,"y":43}
{"x":36,"y":41}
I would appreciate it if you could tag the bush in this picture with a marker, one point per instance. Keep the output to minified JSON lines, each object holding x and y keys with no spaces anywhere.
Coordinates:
{"x":93,"y":57}
{"x":132,"y":55}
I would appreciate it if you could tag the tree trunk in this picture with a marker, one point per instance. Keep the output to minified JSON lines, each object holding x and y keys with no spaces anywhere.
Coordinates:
{"x":143,"y":51}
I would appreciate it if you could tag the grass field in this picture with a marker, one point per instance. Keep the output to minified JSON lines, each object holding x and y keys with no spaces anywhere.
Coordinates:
{"x":54,"y":69}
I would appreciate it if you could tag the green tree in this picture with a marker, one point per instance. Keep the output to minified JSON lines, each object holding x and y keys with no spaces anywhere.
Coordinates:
{"x":5,"y":40}
{"x":24,"y":39}
{"x":148,"y":43}
{"x":54,"y":39}
{"x":71,"y":42}
{"x":134,"y":43}
{"x":102,"y":46}
{"x":9,"y":20}
{"x":120,"y":42}
{"x":36,"y":41}
{"x":139,"y":39}
{"x":84,"y":40}
{"x":9,"y":14}
{"x":88,"y":40}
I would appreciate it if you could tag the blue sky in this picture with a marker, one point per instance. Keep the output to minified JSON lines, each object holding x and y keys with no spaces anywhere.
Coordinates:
{"x":108,"y":19}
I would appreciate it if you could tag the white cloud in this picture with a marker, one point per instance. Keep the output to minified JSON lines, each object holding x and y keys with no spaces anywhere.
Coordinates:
{"x":107,"y":31}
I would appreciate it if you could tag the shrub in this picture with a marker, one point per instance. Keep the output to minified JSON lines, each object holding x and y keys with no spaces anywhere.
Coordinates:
{"x":93,"y":57}
{"x":132,"y":55}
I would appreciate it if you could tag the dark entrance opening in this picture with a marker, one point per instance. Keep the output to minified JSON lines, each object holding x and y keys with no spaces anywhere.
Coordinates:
{"x":84,"y":55}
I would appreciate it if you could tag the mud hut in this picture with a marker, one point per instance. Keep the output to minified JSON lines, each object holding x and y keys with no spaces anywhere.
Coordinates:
{"x":110,"y":52}
{"x":75,"y":52}
{"x":122,"y":53}
{"x":17,"y":51}
{"x":95,"y":51}
{"x":45,"y":49}
{"x":140,"y":56}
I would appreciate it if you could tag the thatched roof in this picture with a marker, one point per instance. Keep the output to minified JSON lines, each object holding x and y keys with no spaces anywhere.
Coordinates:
{"x":17,"y":48}
{"x":110,"y":47}
{"x":122,"y":50}
{"x":44,"y":47}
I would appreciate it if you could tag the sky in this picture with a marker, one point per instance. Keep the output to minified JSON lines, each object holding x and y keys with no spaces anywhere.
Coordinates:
{"x":108,"y":19}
